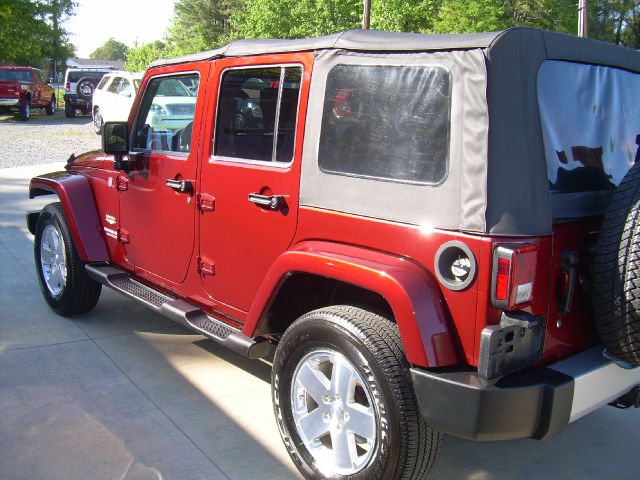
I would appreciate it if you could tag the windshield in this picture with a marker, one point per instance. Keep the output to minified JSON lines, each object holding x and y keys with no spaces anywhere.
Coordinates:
{"x":15,"y":75}
{"x":136,"y":83}
{"x":173,"y":88}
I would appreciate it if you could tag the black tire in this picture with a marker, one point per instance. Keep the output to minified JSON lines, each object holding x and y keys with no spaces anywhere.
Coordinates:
{"x":69,"y":110}
{"x":51,"y":108}
{"x":85,"y":88}
{"x":78,"y":293}
{"x":25,"y":110}
{"x":616,"y":272}
{"x":405,"y":447}
{"x":98,"y":122}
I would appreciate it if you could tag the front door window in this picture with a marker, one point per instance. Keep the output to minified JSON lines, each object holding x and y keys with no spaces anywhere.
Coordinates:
{"x":164,"y":122}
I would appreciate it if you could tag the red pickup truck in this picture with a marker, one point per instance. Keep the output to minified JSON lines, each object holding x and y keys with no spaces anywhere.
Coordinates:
{"x":23,"y":88}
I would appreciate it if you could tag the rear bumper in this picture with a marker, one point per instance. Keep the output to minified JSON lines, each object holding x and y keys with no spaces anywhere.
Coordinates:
{"x":74,"y":100}
{"x":9,"y":102}
{"x":535,"y":403}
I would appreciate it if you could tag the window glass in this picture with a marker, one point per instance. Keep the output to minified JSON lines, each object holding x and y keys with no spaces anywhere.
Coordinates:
{"x":253,"y":103}
{"x":102,"y":83}
{"x":387,"y":122}
{"x":137,"y":82}
{"x":114,"y":87}
{"x":15,"y":75}
{"x":125,"y":86}
{"x":590,"y":125}
{"x":164,"y":120}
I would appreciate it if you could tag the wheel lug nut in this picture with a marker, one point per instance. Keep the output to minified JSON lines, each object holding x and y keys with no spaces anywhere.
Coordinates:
{"x":346,"y":416}
{"x":327,"y":398}
{"x":327,"y":416}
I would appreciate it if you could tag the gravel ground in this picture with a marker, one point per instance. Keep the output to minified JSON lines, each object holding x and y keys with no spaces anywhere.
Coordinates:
{"x":44,"y":139}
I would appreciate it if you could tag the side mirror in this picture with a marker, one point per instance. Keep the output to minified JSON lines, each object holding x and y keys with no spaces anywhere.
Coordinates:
{"x":115,"y":141}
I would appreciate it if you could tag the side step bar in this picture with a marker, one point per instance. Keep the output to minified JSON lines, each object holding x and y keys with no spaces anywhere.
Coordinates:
{"x":179,"y":311}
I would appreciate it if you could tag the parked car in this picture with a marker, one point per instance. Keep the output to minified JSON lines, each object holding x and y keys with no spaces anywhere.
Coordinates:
{"x":113,"y":97}
{"x":24,"y":88}
{"x":436,"y":232}
{"x":79,"y":84}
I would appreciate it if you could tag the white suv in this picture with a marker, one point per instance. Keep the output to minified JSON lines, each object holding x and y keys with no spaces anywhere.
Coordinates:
{"x":79,"y":84}
{"x":113,"y":97}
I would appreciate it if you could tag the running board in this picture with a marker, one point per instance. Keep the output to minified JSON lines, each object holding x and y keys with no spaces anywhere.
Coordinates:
{"x":179,"y":311}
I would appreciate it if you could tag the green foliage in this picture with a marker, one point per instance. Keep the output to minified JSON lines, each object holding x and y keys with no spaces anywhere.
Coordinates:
{"x":139,"y":57}
{"x":111,"y":50}
{"x":199,"y":25}
{"x":31,"y":32}
{"x":21,"y":33}
{"x":295,"y":18}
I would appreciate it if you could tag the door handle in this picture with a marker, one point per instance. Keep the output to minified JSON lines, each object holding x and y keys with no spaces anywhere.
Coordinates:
{"x":273,"y":202}
{"x":182,"y":186}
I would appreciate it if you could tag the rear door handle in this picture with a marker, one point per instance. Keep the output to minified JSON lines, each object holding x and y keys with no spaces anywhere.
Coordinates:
{"x":273,"y":202}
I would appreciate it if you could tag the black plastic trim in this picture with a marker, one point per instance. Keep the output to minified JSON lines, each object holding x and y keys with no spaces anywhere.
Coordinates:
{"x":32,"y":219}
{"x":531,"y":404}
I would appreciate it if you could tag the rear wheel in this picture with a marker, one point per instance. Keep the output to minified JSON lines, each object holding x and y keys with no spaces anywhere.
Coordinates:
{"x":344,"y":402}
{"x":51,"y":108}
{"x":63,"y":280}
{"x":69,"y":110}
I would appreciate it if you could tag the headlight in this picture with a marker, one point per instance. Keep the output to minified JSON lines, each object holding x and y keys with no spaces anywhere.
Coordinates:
{"x":159,"y":109}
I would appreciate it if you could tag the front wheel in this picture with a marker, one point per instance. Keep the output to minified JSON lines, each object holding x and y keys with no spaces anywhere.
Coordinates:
{"x":25,"y":110}
{"x":63,"y":280}
{"x":51,"y":108}
{"x":344,"y":402}
{"x":97,"y":121}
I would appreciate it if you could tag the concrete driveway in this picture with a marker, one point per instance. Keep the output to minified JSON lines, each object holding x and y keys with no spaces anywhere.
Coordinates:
{"x":122,"y":393}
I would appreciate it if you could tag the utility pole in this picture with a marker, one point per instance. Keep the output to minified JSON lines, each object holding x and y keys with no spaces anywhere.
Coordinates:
{"x":366,"y":14}
{"x":582,"y":18}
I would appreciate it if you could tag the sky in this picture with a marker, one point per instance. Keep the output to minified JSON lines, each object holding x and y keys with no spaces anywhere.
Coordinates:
{"x":128,"y":21}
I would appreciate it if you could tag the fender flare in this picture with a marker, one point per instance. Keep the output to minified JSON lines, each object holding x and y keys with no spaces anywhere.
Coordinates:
{"x":79,"y":206}
{"x":413,"y":294}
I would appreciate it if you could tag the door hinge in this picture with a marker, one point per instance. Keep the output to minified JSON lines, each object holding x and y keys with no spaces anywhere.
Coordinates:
{"x":122,"y":184}
{"x":206,"y":203}
{"x":206,"y":266}
{"x":123,"y":236}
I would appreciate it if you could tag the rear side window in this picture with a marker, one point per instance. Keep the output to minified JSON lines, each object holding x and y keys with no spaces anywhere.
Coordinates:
{"x":254,"y":103}
{"x":590,"y":124}
{"x":103,"y":82}
{"x":387,"y":122}
{"x":73,"y":77}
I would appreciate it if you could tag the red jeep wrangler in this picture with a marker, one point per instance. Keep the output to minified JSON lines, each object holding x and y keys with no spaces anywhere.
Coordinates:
{"x":24,"y":88}
{"x":439,"y":233}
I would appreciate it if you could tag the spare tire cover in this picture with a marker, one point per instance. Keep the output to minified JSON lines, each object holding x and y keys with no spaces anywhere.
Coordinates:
{"x":616,"y":272}
{"x":85,"y":87}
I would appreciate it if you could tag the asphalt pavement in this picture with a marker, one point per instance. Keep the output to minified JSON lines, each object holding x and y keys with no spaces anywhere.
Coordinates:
{"x":122,"y":393}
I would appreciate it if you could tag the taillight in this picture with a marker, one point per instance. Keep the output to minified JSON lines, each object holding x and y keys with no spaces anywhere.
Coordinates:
{"x":514,"y":271}
{"x":67,"y":87}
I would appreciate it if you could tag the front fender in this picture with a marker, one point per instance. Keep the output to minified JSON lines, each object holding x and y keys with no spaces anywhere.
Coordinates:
{"x":78,"y":204}
{"x":414,"y":296}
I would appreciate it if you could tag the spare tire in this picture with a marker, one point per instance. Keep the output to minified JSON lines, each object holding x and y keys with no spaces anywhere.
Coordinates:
{"x":85,"y":87}
{"x":616,"y":272}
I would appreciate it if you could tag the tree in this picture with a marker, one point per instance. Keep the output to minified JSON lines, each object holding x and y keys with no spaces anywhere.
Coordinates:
{"x":31,"y":32}
{"x":200,"y":25}
{"x":111,"y":50}
{"x":139,"y":57}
